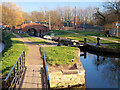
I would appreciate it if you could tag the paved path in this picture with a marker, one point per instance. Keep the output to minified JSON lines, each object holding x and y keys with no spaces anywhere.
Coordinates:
{"x":33,"y":77}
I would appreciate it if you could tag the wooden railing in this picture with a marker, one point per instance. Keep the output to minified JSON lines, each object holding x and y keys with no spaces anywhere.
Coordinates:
{"x":13,"y":79}
{"x":46,"y":71}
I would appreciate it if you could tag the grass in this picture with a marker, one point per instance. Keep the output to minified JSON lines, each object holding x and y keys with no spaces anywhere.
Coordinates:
{"x":60,"y":55}
{"x":116,"y":46}
{"x":33,"y":39}
{"x":113,"y":38}
{"x":13,"y":49}
{"x":91,"y":33}
{"x":85,"y":34}
{"x":96,"y":33}
{"x":62,"y":33}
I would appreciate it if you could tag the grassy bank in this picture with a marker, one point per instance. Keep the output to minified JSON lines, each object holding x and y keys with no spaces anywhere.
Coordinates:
{"x":62,"y":33}
{"x":96,"y":33}
{"x":60,"y":55}
{"x":33,"y":39}
{"x":13,"y":49}
{"x":85,"y":34}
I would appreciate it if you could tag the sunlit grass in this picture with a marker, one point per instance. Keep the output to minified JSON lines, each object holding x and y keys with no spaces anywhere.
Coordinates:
{"x":12,"y":51}
{"x":63,"y":33}
{"x":60,"y":55}
{"x":33,"y":39}
{"x":96,"y":33}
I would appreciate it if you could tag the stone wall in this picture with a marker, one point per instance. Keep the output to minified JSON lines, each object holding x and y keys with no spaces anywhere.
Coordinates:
{"x":70,"y":77}
{"x":67,"y":78}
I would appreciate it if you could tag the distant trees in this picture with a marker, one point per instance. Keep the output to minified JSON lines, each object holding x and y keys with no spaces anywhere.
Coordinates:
{"x":26,"y":16}
{"x":110,"y":14}
{"x":11,"y":14}
{"x":61,"y":15}
{"x":86,"y":15}
{"x":113,"y":8}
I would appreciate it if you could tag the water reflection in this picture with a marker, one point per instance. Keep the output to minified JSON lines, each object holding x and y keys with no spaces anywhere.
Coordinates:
{"x":101,"y":71}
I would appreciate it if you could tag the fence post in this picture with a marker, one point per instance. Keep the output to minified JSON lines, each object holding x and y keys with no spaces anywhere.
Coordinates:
{"x":24,"y":58}
{"x":98,"y":43}
{"x":20,"y":65}
{"x":59,"y":42}
{"x":85,"y":41}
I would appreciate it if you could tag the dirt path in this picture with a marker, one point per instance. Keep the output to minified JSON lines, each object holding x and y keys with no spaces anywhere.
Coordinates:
{"x":33,"y":57}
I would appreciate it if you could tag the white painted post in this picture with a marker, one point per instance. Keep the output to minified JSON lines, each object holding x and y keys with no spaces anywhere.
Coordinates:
{"x":117,"y":24}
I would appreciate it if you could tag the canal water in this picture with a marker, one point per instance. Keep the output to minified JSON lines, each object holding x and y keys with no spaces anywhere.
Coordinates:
{"x":1,"y":46}
{"x":101,"y":71}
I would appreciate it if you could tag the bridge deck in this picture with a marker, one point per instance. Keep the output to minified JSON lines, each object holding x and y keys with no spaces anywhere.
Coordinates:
{"x":33,"y":77}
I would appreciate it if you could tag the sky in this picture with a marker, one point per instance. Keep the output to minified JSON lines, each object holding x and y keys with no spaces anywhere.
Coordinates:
{"x":36,"y":6}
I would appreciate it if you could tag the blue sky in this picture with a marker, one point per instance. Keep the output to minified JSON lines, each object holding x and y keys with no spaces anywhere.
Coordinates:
{"x":36,"y":6}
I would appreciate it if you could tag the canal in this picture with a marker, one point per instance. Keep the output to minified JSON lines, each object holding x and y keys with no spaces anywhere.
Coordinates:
{"x":1,"y":46}
{"x":101,"y":71}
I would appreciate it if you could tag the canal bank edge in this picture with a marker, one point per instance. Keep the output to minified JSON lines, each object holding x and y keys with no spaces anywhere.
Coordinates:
{"x":66,"y":78}
{"x":103,"y":49}
{"x":69,"y":78}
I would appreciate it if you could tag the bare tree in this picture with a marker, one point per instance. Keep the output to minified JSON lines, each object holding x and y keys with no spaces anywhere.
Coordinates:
{"x":111,"y":9}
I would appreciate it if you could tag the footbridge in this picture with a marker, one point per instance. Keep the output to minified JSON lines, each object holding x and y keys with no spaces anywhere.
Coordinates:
{"x":33,"y":29}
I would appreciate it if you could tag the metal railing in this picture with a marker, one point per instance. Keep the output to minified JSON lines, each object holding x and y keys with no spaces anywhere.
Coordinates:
{"x":13,"y":79}
{"x":46,"y":71}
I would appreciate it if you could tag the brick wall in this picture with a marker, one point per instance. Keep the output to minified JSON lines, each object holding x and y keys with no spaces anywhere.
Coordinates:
{"x":36,"y":26}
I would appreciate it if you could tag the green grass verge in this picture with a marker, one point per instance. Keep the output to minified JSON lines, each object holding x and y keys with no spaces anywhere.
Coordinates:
{"x":60,"y":55}
{"x":63,"y":33}
{"x":33,"y":39}
{"x":91,"y":33}
{"x":96,"y":33}
{"x":84,"y":34}
{"x":13,"y":49}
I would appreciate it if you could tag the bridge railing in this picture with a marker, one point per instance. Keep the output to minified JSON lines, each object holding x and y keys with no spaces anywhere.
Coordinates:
{"x":13,"y":79}
{"x":46,"y":71}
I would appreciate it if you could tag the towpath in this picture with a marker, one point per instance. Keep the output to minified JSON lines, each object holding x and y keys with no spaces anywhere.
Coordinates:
{"x":33,"y":77}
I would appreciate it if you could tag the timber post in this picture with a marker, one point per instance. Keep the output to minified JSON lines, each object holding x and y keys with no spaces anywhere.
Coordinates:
{"x":85,"y":41}
{"x":98,"y":43}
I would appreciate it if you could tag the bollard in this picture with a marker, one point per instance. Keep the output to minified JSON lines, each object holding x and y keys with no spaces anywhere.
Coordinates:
{"x":59,"y":42}
{"x":85,"y":55}
{"x":98,"y":58}
{"x":98,"y":43}
{"x":85,"y":41}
